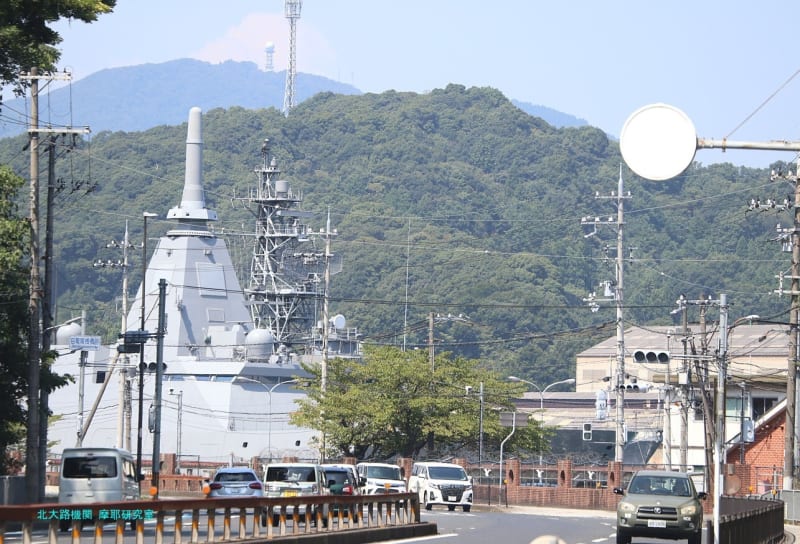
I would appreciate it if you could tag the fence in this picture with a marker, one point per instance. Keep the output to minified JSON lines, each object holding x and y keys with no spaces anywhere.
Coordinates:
{"x":392,"y":517}
{"x":753,"y":520}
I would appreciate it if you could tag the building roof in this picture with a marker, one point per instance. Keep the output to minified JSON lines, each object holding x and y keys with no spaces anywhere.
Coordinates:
{"x":757,"y":353}
{"x":744,"y":339}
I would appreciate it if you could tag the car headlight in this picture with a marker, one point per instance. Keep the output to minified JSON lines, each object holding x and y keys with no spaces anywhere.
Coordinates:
{"x":468,"y":488}
{"x":626,"y":507}
{"x":434,"y":485}
{"x":689,"y":510}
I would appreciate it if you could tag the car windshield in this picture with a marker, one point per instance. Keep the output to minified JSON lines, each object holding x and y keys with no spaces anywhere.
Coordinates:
{"x":447,"y":473}
{"x":337,"y":477}
{"x":90,"y":467}
{"x":660,"y":485}
{"x":235,"y":477}
{"x":291,"y":474}
{"x":387,"y":473}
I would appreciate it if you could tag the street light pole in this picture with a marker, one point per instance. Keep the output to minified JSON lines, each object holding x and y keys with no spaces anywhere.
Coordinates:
{"x":269,"y":423}
{"x":480,"y":435}
{"x":269,"y":391}
{"x":541,"y":401}
{"x":179,"y":394}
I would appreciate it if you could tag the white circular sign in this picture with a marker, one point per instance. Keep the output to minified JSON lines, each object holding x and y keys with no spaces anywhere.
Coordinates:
{"x":658,"y":142}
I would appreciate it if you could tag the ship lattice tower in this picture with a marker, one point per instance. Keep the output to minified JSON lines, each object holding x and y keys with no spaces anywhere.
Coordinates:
{"x":287,"y":271}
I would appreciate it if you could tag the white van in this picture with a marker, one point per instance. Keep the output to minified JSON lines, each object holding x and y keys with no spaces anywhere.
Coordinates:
{"x":441,"y":483}
{"x":377,"y":478}
{"x":96,"y":475}
{"x":294,"y":480}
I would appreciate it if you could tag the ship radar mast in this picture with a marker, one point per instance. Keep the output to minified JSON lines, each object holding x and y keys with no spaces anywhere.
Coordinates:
{"x":286,"y":271}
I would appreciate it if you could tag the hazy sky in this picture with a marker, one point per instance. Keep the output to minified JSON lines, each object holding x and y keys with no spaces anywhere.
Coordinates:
{"x":723,"y":62}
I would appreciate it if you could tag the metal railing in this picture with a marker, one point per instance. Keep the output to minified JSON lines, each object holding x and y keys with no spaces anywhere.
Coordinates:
{"x":222,"y":519}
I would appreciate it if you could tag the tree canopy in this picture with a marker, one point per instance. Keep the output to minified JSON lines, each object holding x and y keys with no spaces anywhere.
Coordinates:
{"x":13,"y":317}
{"x":27,"y":41}
{"x":395,"y":403}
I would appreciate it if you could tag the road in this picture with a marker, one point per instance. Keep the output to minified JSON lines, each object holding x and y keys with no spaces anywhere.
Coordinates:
{"x":520,"y":525}
{"x":495,"y":525}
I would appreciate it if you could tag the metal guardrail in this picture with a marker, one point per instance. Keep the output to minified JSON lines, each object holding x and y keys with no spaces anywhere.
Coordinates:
{"x":226,"y":519}
{"x":752,"y":520}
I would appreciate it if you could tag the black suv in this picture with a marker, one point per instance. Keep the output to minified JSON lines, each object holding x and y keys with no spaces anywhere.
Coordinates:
{"x":660,"y":504}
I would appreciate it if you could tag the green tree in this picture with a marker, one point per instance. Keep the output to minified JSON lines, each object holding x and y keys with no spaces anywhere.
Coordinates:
{"x":394,"y":403}
{"x":13,"y":318}
{"x":26,"y":39}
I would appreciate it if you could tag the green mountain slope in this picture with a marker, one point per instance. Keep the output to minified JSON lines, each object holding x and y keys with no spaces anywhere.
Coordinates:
{"x":451,"y":202}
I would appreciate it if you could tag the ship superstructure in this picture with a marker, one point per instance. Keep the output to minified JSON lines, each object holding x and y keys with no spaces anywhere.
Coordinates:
{"x":232,"y":355}
{"x":285,"y":279}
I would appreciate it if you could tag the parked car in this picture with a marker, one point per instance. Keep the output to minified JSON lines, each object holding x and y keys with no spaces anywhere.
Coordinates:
{"x":660,"y":504}
{"x":341,"y":480}
{"x":235,"y":482}
{"x":294,"y":480}
{"x":441,"y":483}
{"x":377,"y":478}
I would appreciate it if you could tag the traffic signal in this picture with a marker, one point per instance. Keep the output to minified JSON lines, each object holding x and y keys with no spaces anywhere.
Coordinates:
{"x":132,"y":341}
{"x":151,"y":367}
{"x":651,"y":356}
{"x":587,"y":431}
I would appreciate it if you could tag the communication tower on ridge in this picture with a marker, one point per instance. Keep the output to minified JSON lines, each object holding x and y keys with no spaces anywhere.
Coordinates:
{"x":292,"y":11}
{"x":269,"y":51}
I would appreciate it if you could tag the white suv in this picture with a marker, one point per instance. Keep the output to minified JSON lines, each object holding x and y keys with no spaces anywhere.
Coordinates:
{"x":376,"y":478}
{"x":441,"y":483}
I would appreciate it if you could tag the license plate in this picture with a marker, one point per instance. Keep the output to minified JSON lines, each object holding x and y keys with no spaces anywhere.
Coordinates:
{"x":289,"y":493}
{"x":659,"y":523}
{"x":451,"y":498}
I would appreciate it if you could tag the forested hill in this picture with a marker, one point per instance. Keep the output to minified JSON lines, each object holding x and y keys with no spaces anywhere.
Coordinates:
{"x":140,"y":97}
{"x":450,"y":202}
{"x":135,"y":98}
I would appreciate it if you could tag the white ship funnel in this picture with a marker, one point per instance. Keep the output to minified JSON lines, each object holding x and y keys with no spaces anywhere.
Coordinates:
{"x":193,"y":204}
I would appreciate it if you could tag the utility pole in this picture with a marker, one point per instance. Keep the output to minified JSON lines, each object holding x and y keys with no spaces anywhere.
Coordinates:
{"x":790,"y":239}
{"x":430,"y":343}
{"x":705,"y":390}
{"x":325,"y":324}
{"x":47,"y":306}
{"x":162,"y":294}
{"x":323,"y":387}
{"x":617,"y":296}
{"x":142,"y":364}
{"x":719,"y":410}
{"x":36,"y":440}
{"x":124,"y":407}
{"x":664,"y":129}
{"x":702,"y":380}
{"x":684,"y":383}
{"x":32,"y":458}
{"x":438,"y":318}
